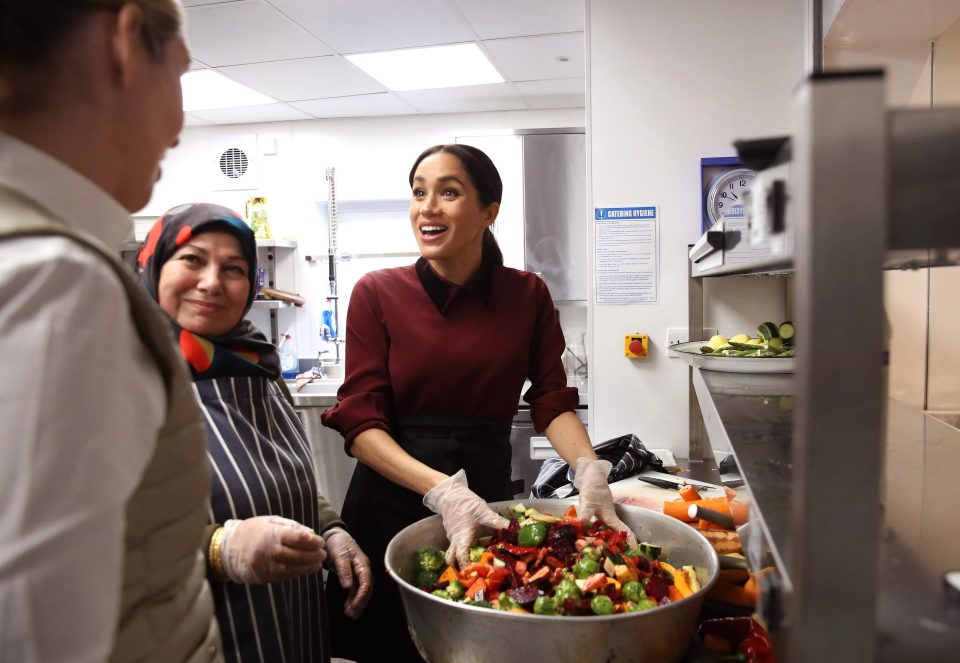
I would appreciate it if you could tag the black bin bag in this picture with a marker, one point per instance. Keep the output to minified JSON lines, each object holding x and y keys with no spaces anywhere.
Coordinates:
{"x":627,"y":454}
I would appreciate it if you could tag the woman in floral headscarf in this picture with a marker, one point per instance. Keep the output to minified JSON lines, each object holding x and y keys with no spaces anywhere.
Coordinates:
{"x":199,"y":262}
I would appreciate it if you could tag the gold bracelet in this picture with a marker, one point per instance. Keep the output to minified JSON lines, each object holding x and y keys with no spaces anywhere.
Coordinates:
{"x":216,"y":555}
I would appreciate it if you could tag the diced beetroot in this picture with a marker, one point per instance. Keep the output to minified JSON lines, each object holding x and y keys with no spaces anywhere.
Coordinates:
{"x":577,"y":607}
{"x":656,"y":587}
{"x":525,"y":595}
{"x":642,"y":563}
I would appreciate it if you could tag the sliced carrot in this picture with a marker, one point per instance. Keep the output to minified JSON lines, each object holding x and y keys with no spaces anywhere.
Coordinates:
{"x":689,"y":494}
{"x":449,"y":575}
{"x":730,"y":493}
{"x":739,"y":511}
{"x":674,"y":594}
{"x":543,"y":572}
{"x":482,"y":570}
{"x":731,"y":594}
{"x":717,"y":644}
{"x":486,"y":557}
{"x":479,"y":586}
{"x":733,"y":576}
{"x":570,"y":513}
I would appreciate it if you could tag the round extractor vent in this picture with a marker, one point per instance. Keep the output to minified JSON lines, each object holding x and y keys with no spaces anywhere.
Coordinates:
{"x":234,"y":162}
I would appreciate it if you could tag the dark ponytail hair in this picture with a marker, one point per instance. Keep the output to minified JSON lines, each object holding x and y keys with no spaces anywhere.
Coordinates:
{"x":485,"y":179}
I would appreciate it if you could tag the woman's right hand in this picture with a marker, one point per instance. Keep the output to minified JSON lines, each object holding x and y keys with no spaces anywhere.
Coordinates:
{"x":464,"y":513}
{"x":266,"y":549}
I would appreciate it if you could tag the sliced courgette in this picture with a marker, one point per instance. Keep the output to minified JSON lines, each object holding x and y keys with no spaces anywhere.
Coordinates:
{"x":768,"y":330}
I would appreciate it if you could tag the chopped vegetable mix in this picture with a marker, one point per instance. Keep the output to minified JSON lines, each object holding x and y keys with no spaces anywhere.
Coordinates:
{"x":557,"y":565}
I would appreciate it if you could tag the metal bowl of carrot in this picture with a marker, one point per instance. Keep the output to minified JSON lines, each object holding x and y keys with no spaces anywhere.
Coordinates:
{"x":448,"y":632}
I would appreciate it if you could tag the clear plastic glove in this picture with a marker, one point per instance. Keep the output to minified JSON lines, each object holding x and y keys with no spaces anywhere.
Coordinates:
{"x":266,"y":549}
{"x":595,"y":496}
{"x":464,"y":513}
{"x":352,"y":567}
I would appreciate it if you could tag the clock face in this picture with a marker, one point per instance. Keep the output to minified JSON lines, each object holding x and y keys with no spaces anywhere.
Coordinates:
{"x":725,"y":197}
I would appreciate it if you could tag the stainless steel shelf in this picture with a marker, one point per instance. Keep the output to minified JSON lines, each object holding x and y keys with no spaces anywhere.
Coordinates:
{"x":270,"y":303}
{"x":276,"y":244}
{"x":751,"y":416}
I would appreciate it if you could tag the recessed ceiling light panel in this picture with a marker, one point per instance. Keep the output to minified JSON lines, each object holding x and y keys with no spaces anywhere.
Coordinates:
{"x":428,"y":68}
{"x":206,"y":89}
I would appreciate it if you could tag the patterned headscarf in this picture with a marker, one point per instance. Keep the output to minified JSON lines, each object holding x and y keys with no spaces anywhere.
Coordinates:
{"x":242,"y":351}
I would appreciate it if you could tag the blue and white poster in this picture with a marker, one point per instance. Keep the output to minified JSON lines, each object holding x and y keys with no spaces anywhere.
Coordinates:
{"x":626,"y":250}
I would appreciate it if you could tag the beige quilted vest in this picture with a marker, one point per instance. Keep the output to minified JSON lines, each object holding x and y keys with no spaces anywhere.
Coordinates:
{"x":166,"y":610}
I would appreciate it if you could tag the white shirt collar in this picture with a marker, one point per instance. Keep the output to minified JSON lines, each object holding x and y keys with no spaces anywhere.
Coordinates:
{"x":61,"y":190}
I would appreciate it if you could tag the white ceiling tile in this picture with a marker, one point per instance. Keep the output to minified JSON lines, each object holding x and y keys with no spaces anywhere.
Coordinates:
{"x":536,"y":58}
{"x":244,"y":32}
{"x":364,"y":105}
{"x":472,"y":99}
{"x":196,"y":64}
{"x":556,"y":93}
{"x":245,"y":114}
{"x":197,"y":3}
{"x":349,"y":26}
{"x":191,"y":120}
{"x":493,"y":19}
{"x":309,"y":78}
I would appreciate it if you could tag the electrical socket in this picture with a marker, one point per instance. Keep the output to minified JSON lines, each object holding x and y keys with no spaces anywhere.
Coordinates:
{"x":680,"y":335}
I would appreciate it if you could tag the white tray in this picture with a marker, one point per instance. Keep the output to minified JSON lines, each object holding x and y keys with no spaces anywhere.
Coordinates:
{"x":690,"y":354}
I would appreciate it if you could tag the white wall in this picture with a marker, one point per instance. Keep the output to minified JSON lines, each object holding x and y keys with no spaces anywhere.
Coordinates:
{"x":668,"y":83}
{"x":372,"y":157}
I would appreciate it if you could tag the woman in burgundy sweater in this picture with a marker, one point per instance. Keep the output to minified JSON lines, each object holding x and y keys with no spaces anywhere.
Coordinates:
{"x":436,"y":357}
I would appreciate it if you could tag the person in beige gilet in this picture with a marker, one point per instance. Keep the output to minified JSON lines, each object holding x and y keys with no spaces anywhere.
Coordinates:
{"x":104,"y":478}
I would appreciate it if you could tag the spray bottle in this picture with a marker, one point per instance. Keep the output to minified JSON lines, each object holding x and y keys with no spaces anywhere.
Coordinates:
{"x":289,"y":358}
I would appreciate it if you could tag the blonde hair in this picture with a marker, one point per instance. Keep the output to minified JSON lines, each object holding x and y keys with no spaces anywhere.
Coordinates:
{"x":32,"y":33}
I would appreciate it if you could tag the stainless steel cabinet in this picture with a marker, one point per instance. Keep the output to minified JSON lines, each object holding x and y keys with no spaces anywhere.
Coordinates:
{"x":556,"y":227}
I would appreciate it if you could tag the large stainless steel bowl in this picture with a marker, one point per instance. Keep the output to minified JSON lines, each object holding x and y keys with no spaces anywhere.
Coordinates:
{"x":447,"y":632}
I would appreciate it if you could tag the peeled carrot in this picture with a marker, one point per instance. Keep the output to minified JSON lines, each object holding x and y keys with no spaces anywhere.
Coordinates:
{"x":689,"y":494}
{"x":486,"y":557}
{"x":730,"y":493}
{"x":678,"y":508}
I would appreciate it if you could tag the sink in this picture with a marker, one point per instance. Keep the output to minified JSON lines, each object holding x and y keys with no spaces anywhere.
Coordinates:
{"x":321,"y":392}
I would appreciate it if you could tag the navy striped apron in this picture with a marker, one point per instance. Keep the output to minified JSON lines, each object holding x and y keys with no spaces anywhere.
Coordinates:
{"x":262,"y":465}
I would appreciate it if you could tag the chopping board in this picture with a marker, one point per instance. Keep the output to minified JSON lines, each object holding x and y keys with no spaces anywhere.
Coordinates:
{"x":637,"y":492}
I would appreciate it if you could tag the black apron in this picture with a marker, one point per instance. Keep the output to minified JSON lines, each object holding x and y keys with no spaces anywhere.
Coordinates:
{"x":375,"y":509}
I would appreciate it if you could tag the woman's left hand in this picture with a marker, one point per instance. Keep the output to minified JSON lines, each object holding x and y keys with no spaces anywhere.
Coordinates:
{"x":352,"y":567}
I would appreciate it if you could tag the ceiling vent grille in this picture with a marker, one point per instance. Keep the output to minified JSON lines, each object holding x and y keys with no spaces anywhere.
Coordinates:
{"x":233,"y":161}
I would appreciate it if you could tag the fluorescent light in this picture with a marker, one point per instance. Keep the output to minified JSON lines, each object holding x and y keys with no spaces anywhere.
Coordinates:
{"x":428,"y":68}
{"x":206,"y":89}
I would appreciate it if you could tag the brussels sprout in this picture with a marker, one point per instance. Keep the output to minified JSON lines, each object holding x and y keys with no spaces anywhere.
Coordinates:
{"x":584,"y":567}
{"x":532,"y":534}
{"x":544,"y":605}
{"x":507,"y":603}
{"x":566,"y":589}
{"x":602,"y":605}
{"x":633,"y":591}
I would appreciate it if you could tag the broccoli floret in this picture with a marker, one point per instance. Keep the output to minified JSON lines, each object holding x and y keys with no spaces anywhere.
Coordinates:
{"x":455,"y":590}
{"x":430,"y":559}
{"x":439,"y":593}
{"x":475,"y":553}
{"x":427,"y":579}
{"x":479,"y":604}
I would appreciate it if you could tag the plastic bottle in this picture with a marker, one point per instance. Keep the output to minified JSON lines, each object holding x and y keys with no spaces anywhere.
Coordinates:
{"x":289,"y":358}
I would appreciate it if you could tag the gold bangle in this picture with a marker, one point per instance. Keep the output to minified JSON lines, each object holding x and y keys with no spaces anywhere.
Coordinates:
{"x":216,"y":555}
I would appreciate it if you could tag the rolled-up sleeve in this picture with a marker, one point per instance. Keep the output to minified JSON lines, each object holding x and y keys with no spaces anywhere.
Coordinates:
{"x":548,"y":395}
{"x":365,"y":399}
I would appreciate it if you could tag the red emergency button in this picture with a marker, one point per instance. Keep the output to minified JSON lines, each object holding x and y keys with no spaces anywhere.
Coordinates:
{"x":636,"y":346}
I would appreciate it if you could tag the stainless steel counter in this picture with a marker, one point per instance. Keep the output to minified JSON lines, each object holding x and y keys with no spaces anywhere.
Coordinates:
{"x":750,"y":416}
